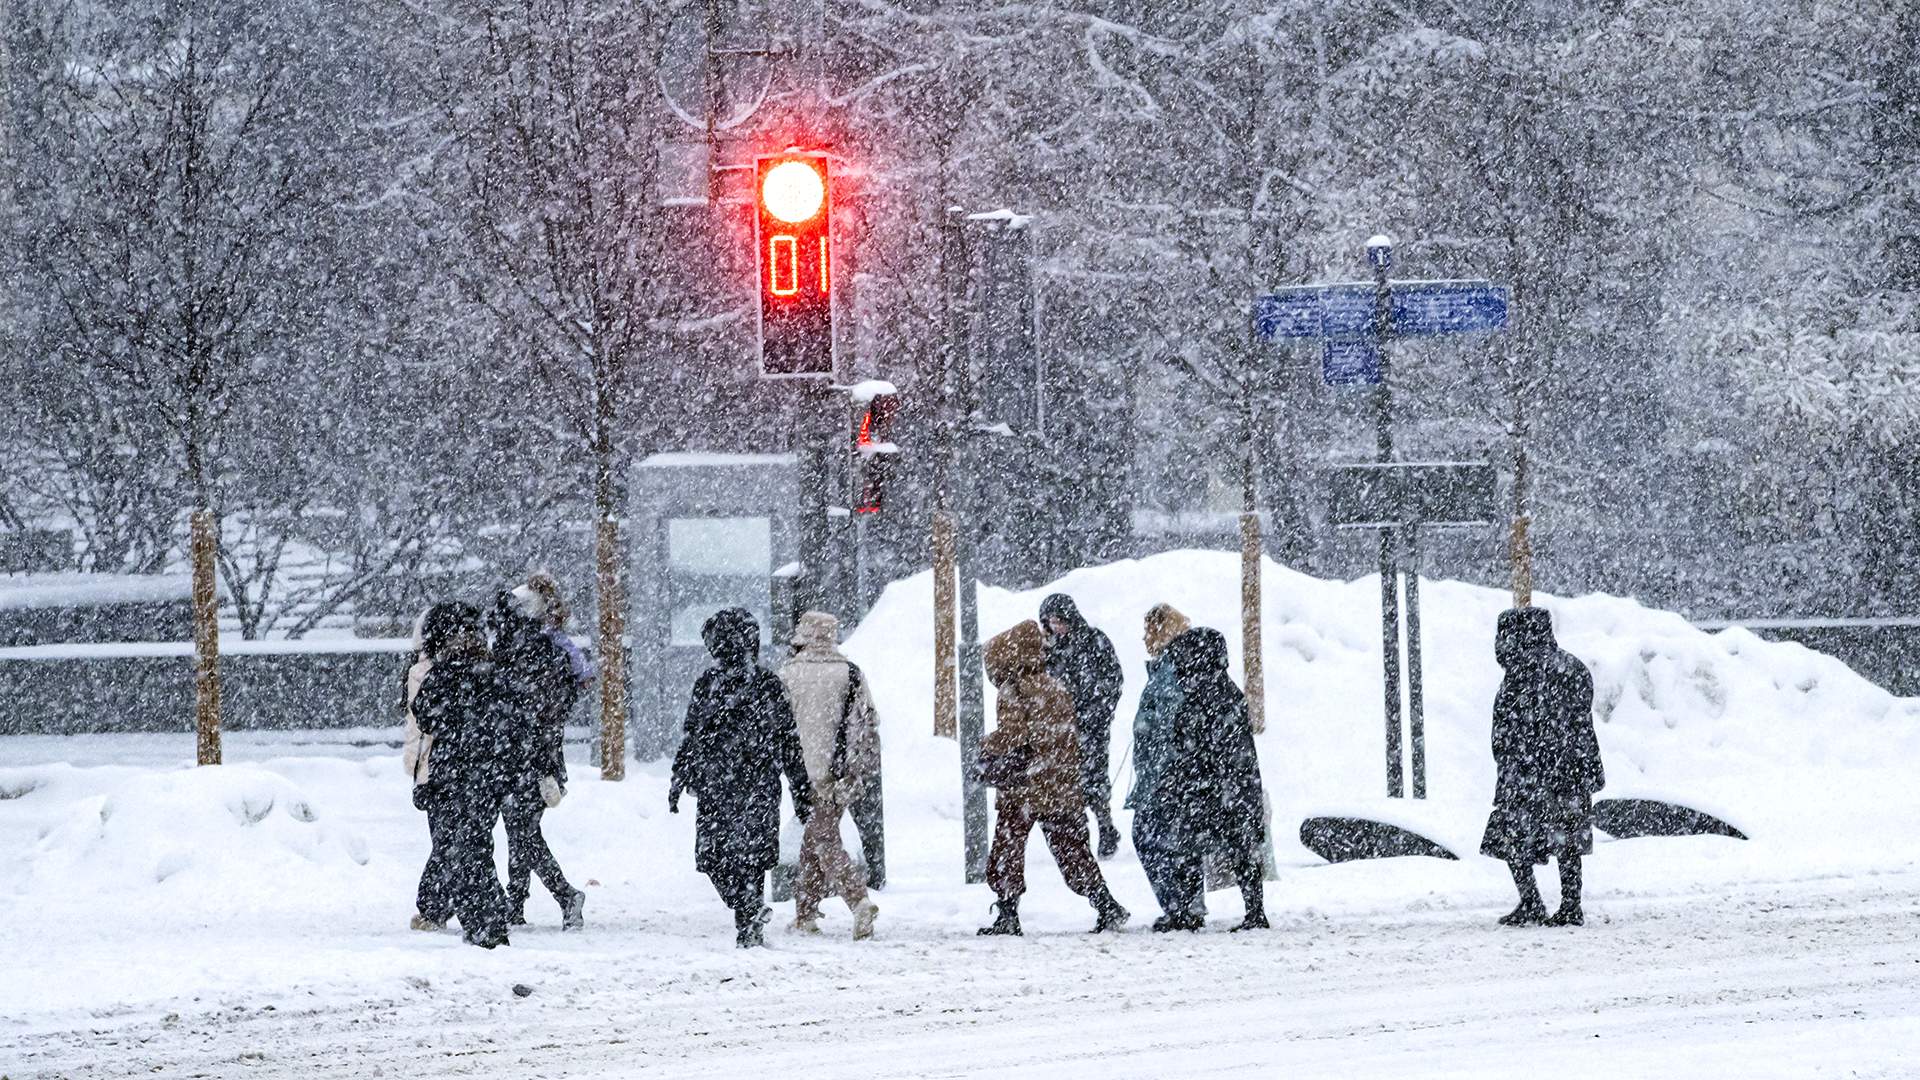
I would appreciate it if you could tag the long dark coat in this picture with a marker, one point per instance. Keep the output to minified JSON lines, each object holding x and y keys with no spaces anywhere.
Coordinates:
{"x":740,"y":737}
{"x":479,"y":747}
{"x":1210,"y":776}
{"x":1083,"y":661}
{"x":541,"y":674}
{"x":1544,"y":746}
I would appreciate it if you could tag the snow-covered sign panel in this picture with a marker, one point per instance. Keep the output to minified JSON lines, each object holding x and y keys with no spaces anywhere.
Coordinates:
{"x":1344,"y":315}
{"x":1390,"y":494}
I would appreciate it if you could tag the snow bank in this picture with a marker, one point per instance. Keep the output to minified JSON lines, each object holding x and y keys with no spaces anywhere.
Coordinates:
{"x":1786,"y":743}
{"x":211,"y":842}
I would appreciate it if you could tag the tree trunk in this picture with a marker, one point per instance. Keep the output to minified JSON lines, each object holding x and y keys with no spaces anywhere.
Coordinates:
{"x":613,"y":621}
{"x":206,"y":638}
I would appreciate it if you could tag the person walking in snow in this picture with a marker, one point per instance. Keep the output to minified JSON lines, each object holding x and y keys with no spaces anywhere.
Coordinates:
{"x":1209,"y":783}
{"x":840,"y":742}
{"x":1153,"y":822}
{"x":1547,"y":758}
{"x":544,"y":690}
{"x":740,"y":738}
{"x":469,"y":713}
{"x":1033,"y":758}
{"x":432,"y":904}
{"x":1083,"y":660}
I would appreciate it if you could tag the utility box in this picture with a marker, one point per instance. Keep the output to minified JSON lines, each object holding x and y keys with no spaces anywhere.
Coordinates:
{"x":708,"y":532}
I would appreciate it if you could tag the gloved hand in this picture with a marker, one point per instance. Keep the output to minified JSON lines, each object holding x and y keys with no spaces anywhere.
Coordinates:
{"x":673,"y":799}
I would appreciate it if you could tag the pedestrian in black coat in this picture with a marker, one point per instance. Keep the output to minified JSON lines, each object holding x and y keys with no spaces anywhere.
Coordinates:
{"x":1082,"y":659}
{"x":541,"y":675}
{"x":740,"y":738}
{"x":1548,"y":759}
{"x":469,"y":711}
{"x":1210,"y":780}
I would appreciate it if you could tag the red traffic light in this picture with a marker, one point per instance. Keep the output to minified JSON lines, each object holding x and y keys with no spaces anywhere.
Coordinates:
{"x":793,"y":241}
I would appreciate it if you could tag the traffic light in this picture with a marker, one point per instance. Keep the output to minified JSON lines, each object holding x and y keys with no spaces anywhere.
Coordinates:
{"x":873,"y":441}
{"x":793,"y":239}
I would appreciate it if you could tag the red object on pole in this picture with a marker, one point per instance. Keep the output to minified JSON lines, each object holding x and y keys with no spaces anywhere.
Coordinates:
{"x":874,"y":443}
{"x":793,"y":244}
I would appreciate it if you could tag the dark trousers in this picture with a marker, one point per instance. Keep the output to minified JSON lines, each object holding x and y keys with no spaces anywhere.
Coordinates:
{"x":1066,"y":838}
{"x":434,"y":897}
{"x":473,"y":884}
{"x":1188,"y":881}
{"x":740,"y":890}
{"x":869,"y":812}
{"x":528,"y":853}
{"x":1160,"y":859}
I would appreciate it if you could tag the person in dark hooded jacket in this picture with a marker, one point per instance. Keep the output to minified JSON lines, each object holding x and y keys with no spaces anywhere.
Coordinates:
{"x":740,"y":738}
{"x":543,"y":680}
{"x":1210,"y":782}
{"x":469,"y":712}
{"x":1082,"y":659}
{"x":1548,"y":762}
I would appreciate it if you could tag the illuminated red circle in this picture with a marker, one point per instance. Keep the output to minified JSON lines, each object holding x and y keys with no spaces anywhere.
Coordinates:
{"x":793,"y":191}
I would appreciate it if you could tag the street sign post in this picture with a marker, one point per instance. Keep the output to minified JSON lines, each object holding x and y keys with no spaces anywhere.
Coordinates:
{"x":1356,"y":323}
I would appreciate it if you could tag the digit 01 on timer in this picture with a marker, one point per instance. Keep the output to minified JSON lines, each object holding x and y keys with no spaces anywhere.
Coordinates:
{"x":793,"y":238}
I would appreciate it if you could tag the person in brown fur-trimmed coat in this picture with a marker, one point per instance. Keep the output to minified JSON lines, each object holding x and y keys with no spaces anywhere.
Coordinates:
{"x":1033,"y":758}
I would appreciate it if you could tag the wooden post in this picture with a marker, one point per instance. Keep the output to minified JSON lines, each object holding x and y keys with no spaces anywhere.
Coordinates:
{"x":1252,"y":664}
{"x":1522,"y":554}
{"x":206,"y":639}
{"x":945,"y":702}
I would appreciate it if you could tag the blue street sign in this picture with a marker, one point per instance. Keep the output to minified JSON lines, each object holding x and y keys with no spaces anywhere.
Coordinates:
{"x":1350,"y":362}
{"x":1429,"y":308}
{"x":1346,"y":309}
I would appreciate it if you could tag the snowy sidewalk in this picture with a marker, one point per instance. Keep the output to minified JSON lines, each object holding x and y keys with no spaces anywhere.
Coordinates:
{"x":1793,"y":980}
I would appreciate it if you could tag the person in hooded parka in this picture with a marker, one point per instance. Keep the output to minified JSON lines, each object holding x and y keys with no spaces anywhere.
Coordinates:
{"x":1153,"y":824}
{"x":1211,"y":781}
{"x":1032,"y":757}
{"x":543,"y":680}
{"x":740,"y":738}
{"x":1547,"y":759}
{"x":433,"y":904}
{"x":1081,"y":657}
{"x":471,"y":715}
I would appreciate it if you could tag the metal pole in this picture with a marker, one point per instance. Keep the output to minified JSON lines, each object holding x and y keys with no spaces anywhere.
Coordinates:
{"x":1416,"y":690}
{"x":1380,"y":255}
{"x":973,"y":713}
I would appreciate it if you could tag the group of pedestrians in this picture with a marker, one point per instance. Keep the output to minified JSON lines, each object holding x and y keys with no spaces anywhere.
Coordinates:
{"x":486,"y":702}
{"x":486,"y":718}
{"x":1197,"y":794}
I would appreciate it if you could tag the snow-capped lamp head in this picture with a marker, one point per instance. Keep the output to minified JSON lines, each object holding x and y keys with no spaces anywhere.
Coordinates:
{"x":1380,"y":251}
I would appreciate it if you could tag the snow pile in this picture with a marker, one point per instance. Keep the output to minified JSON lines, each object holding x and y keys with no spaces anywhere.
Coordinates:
{"x":1788,"y":744}
{"x":209,"y":841}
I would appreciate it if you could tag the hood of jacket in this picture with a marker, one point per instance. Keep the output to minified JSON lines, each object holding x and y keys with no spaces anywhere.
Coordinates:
{"x":1198,"y":655}
{"x":1524,"y":638}
{"x":1016,"y":653}
{"x":451,"y":628}
{"x":732,"y":637}
{"x":510,"y":621}
{"x":1061,"y":606}
{"x":1164,"y":623}
{"x":817,"y":634}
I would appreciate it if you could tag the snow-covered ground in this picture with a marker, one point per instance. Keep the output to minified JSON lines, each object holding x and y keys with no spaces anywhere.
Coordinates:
{"x":250,"y":920}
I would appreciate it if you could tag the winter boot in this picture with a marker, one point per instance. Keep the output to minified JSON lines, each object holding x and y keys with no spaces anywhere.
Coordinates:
{"x":1109,"y":836}
{"x":1568,"y":915}
{"x":806,"y":924}
{"x":863,"y":915}
{"x":751,"y":927}
{"x":573,"y":913}
{"x":1254,"y":893}
{"x":1112,"y":915}
{"x":487,"y":938}
{"x":516,"y":908}
{"x":432,"y":926}
{"x":1006,"y":920}
{"x":1168,"y":924}
{"x":1531,"y":912}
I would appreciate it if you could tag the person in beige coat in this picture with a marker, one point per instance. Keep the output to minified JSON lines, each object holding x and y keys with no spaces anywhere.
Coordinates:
{"x":840,"y":742}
